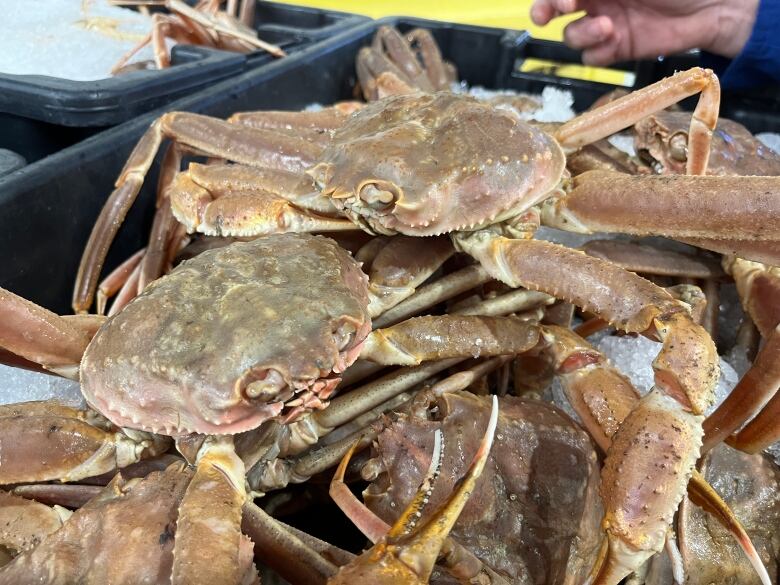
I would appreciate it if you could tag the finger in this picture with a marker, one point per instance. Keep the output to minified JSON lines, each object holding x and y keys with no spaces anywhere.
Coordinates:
{"x":588,"y":31}
{"x":543,"y":11}
{"x":602,"y":54}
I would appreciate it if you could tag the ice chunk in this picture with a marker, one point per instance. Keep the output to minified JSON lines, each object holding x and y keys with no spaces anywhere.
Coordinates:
{"x":774,"y":452}
{"x":69,"y":39}
{"x":770,"y":139}
{"x":18,"y":385}
{"x":623,"y":142}
{"x":557,"y":104}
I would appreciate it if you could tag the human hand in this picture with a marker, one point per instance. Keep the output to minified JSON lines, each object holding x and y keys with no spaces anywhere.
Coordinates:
{"x":612,"y":30}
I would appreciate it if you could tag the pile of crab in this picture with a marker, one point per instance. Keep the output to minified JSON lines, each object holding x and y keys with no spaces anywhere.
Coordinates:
{"x":411,"y":340}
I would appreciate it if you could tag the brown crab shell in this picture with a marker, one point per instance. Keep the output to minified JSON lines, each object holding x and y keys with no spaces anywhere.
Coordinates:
{"x":535,"y":513}
{"x":734,"y":150}
{"x":178,"y":359}
{"x":428,"y":164}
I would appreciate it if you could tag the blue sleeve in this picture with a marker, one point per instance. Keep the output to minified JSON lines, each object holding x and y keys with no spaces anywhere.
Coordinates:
{"x":758,"y":65}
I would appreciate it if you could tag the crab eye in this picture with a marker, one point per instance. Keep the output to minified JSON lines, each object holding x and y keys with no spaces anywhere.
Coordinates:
{"x":378,"y":195}
{"x":267,"y":388}
{"x":344,"y":335}
{"x":678,"y":147}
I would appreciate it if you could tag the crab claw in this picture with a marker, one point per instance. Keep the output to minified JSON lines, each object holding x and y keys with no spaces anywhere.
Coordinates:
{"x":408,"y":553}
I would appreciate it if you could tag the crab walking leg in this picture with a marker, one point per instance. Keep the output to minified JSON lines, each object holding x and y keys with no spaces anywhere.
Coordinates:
{"x":401,"y":54}
{"x":275,"y":474}
{"x":24,"y":523}
{"x":429,"y":295}
{"x":114,"y":282}
{"x":760,"y":251}
{"x":121,"y":536}
{"x":210,"y":512}
{"x":646,"y":259}
{"x":686,"y":371}
{"x":759,"y":289}
{"x":758,"y":286}
{"x":458,"y":560}
{"x":283,"y":551}
{"x":401,"y":266}
{"x":430,"y":56}
{"x":430,"y":338}
{"x":153,"y":263}
{"x":307,"y":431}
{"x":210,"y":136}
{"x":324,"y":120}
{"x":127,"y":293}
{"x":677,"y":206}
{"x":44,"y":441}
{"x":408,"y":552}
{"x":512,"y":302}
{"x":712,"y":307}
{"x":41,"y":336}
{"x":604,"y":399}
{"x":629,"y":109}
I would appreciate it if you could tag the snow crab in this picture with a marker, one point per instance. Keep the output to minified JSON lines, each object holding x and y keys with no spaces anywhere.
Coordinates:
{"x":425,"y":164}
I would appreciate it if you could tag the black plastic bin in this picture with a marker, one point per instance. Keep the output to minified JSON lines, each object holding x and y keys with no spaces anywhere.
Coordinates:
{"x":48,"y":208}
{"x":41,"y":115}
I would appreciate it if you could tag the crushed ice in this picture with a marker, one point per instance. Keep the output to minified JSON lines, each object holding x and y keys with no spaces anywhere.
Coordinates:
{"x":69,"y":39}
{"x":18,"y":385}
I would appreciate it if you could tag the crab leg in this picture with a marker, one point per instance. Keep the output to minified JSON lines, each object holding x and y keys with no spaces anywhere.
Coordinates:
{"x":457,"y":559}
{"x":209,"y":136}
{"x":24,"y":523}
{"x":283,"y":551}
{"x":127,"y":293}
{"x":604,"y":399}
{"x":430,"y":56}
{"x":343,"y":409}
{"x":243,"y":213}
{"x":122,"y":536}
{"x":645,"y":259}
{"x":210,"y":512}
{"x":629,"y":109}
{"x":686,"y":371}
{"x":326,"y":119}
{"x":432,"y":338}
{"x":442,"y":289}
{"x":400,"y":267}
{"x":677,"y":206}
{"x":41,"y":336}
{"x":408,"y":553}
{"x":112,"y":283}
{"x":759,"y":288}
{"x":760,"y":251}
{"x":45,"y":441}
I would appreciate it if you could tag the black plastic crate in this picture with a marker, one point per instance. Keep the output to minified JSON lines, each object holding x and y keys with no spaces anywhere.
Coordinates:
{"x":41,"y":115}
{"x":48,"y":208}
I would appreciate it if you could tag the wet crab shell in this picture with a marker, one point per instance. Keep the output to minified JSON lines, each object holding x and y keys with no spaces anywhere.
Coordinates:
{"x":283,"y":312}
{"x":535,"y":513}
{"x":428,"y":164}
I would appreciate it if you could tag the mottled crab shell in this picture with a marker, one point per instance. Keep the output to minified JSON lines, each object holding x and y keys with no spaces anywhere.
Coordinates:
{"x":535,"y":513}
{"x":428,"y":164}
{"x":284,"y":312}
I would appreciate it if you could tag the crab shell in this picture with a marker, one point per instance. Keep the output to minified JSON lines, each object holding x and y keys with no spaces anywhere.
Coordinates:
{"x":663,"y":137}
{"x":534,"y":515}
{"x":428,"y":164}
{"x":222,"y":342}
